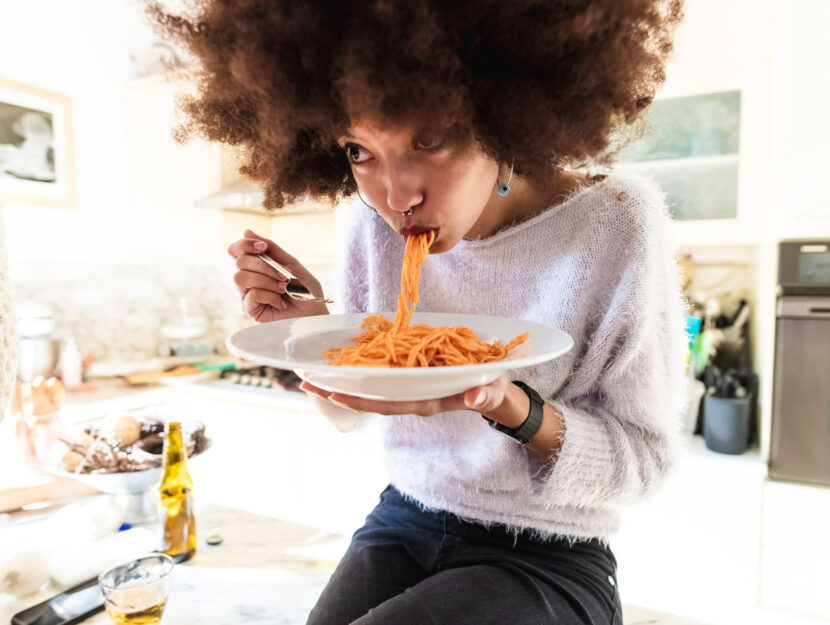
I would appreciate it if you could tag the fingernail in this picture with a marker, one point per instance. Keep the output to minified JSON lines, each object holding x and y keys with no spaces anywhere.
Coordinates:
{"x":260,"y":246}
{"x":480,"y":399}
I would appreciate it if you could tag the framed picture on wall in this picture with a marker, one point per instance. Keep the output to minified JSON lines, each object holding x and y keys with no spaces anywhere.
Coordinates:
{"x":37,"y":164}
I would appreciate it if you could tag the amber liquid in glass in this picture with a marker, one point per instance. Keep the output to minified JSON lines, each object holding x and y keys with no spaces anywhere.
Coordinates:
{"x":136,"y":606}
{"x":177,"y":498}
{"x":147,"y":616}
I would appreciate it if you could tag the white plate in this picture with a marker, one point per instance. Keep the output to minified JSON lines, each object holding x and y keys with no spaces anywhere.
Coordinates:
{"x":299,"y":344}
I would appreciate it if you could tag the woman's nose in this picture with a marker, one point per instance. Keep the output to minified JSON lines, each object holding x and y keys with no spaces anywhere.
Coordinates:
{"x":401,"y":200}
{"x":403,"y":193}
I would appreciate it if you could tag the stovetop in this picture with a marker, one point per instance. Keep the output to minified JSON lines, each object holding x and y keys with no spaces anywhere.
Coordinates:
{"x":263,"y":377}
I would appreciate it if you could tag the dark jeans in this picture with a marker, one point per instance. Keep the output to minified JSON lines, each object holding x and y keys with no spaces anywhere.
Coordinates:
{"x":407,"y":566}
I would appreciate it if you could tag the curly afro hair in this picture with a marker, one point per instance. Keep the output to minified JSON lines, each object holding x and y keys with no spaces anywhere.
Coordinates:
{"x":541,"y":84}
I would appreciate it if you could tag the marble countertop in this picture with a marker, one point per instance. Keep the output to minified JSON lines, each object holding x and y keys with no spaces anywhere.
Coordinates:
{"x":264,"y":571}
{"x":694,"y":452}
{"x":114,"y":395}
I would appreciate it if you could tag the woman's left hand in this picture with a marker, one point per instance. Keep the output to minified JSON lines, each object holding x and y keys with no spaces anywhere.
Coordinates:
{"x":482,"y":399}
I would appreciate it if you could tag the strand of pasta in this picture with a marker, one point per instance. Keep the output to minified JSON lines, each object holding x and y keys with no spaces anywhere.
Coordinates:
{"x":399,"y":344}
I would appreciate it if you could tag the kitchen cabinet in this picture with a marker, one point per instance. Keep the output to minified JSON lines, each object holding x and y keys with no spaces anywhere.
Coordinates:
{"x":799,"y":155}
{"x":742,"y":222}
{"x":278,"y":457}
{"x":693,"y":548}
{"x":722,"y":544}
{"x":711,"y":57}
{"x":795,"y":548}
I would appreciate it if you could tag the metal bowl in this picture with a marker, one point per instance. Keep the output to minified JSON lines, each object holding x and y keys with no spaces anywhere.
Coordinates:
{"x":38,"y":357}
{"x":136,"y":491}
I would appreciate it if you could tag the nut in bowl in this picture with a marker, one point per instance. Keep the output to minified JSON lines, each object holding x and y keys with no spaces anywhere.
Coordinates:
{"x":124,"y":456}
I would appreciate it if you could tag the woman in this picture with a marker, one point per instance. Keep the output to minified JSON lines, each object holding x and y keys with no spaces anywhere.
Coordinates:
{"x":477,"y":121}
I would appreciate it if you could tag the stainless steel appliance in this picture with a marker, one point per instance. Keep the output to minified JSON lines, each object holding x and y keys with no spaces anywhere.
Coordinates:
{"x":39,"y":348}
{"x":800,"y":446}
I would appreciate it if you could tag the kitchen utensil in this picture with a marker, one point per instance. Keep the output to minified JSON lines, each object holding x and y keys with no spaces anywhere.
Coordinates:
{"x":71,"y":606}
{"x":294,"y":289}
{"x":298,"y":344}
{"x":38,"y":490}
{"x":726,"y":423}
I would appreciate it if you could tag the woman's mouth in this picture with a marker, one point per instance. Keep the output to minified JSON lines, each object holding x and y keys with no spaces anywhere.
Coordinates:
{"x":415,"y":230}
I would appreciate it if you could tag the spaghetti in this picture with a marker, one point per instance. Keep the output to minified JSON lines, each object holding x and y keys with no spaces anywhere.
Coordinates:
{"x":398,"y":344}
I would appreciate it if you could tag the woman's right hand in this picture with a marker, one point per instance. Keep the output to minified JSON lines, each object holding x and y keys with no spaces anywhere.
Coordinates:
{"x":263,"y":288}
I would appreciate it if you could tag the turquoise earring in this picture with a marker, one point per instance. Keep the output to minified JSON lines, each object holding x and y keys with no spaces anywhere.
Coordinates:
{"x":504,"y":187}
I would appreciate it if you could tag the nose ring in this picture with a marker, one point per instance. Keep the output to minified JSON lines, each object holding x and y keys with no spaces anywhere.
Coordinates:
{"x":405,"y":213}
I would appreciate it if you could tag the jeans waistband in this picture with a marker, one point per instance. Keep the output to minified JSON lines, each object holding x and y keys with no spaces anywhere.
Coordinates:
{"x":411,"y":512}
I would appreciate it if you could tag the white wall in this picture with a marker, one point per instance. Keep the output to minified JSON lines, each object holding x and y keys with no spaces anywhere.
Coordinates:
{"x":81,"y":48}
{"x":67,"y":47}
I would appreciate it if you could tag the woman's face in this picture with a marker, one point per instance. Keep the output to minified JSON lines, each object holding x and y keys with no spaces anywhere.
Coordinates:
{"x":448,"y":187}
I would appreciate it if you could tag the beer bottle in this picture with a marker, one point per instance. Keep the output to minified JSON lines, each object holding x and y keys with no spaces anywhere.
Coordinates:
{"x":177,"y":498}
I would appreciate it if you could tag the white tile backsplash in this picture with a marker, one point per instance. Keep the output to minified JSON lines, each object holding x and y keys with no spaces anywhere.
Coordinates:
{"x":116,"y":311}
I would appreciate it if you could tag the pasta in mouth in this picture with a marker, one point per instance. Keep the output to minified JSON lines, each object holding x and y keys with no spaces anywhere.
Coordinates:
{"x":384,"y":343}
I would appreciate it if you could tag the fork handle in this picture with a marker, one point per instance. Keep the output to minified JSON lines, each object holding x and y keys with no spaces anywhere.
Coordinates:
{"x":275,"y":265}
{"x":283,"y":270}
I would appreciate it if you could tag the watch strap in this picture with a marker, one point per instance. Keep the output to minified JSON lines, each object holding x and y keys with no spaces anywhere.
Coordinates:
{"x":531,"y":425}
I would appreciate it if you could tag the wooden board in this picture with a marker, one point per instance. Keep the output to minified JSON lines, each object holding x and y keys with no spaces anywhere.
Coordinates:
{"x":40,"y":489}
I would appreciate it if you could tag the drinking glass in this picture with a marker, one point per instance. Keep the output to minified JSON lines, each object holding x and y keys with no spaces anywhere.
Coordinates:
{"x":136,"y":592}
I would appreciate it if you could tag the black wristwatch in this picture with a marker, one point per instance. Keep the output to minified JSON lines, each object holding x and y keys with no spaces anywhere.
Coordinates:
{"x":527,"y":430}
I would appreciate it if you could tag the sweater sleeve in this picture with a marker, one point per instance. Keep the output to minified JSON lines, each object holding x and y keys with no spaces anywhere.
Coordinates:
{"x":621,"y":401}
{"x":351,"y":273}
{"x":351,"y":269}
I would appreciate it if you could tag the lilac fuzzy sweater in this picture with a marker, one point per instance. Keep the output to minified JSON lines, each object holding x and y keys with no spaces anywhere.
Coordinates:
{"x":600,"y":266}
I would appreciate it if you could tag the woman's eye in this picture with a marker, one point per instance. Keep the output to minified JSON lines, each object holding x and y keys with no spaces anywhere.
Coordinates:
{"x":429,"y":141}
{"x":357,"y":154}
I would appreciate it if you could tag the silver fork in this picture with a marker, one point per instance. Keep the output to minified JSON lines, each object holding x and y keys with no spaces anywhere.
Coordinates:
{"x":294,"y":289}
